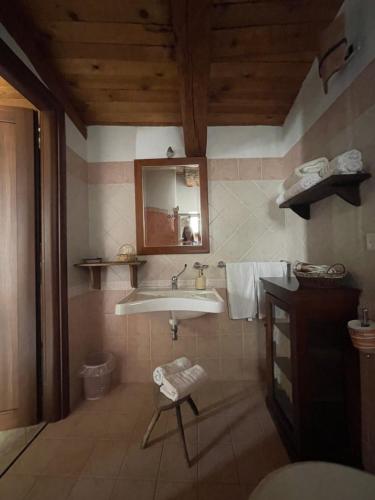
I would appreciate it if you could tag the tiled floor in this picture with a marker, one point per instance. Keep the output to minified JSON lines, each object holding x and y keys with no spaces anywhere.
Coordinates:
{"x":13,"y":441}
{"x":95,"y":454}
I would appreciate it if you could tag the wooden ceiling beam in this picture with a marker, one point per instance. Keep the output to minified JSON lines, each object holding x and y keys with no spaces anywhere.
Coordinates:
{"x":191,"y":26}
{"x":22,"y":29}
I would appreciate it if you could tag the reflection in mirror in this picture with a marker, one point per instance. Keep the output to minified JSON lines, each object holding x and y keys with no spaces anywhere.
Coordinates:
{"x":171,"y":205}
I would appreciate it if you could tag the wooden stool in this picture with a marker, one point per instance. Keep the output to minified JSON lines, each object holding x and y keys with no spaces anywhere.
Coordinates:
{"x":162,"y":403}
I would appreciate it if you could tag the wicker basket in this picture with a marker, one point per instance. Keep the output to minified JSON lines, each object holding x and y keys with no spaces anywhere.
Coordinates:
{"x":330,"y":279}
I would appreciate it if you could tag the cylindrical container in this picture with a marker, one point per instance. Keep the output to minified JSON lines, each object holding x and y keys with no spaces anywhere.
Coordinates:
{"x":97,"y":374}
{"x":200,"y":281}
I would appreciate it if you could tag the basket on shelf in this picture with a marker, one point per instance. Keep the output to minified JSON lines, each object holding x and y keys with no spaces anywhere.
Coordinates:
{"x":329,"y":277}
{"x":126,"y":253}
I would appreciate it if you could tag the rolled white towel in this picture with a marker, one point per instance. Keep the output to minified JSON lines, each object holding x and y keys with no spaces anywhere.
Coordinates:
{"x":346,"y":163}
{"x":181,"y":384}
{"x":310,"y":167}
{"x":168,"y":369}
{"x":305,"y":182}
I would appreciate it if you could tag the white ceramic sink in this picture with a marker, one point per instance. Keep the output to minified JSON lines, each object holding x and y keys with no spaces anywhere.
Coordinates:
{"x":182,"y":303}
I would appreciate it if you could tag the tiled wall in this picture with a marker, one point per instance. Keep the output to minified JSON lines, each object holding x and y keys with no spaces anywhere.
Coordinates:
{"x":81,"y":335}
{"x":229,"y":350}
{"x":337,"y":230}
{"x":245,"y":223}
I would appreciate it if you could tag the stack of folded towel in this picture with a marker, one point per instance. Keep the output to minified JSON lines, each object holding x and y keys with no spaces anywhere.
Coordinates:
{"x":313,"y":172}
{"x":347,"y":163}
{"x":179,"y":378}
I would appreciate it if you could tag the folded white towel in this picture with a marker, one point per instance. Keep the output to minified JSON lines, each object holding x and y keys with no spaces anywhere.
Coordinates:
{"x":305,"y":182}
{"x":349,"y":162}
{"x":175,"y":366}
{"x":181,"y":384}
{"x":310,"y":167}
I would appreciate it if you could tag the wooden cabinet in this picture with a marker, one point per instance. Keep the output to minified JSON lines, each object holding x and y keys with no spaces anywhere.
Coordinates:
{"x":313,"y":379}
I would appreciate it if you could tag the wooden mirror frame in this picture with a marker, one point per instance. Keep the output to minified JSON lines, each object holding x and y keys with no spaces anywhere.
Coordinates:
{"x":142,"y":249}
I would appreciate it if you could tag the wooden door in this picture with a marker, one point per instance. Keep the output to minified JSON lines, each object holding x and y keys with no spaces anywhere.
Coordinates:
{"x":18,"y":362}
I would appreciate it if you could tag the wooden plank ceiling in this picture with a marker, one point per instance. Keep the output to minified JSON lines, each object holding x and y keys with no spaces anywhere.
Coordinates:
{"x":9,"y":96}
{"x":118,"y":57}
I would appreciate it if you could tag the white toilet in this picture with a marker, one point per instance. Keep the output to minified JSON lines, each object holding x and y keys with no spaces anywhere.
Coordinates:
{"x":316,"y":481}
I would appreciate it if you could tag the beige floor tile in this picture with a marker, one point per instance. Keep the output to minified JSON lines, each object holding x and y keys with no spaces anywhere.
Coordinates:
{"x":61,"y":429}
{"x":15,"y":487}
{"x":48,"y":488}
{"x":173,"y":466}
{"x":190,"y":429}
{"x":141,"y":463}
{"x":118,"y":425}
{"x":248,"y":488}
{"x":38,"y":455}
{"x":214,"y":429}
{"x":176,"y":491}
{"x":212,"y":491}
{"x":92,"y":488}
{"x":89,"y":425}
{"x":71,"y":457}
{"x":126,"y":489}
{"x":247,"y":434}
{"x":208,"y":397}
{"x":217,"y":464}
{"x":159,"y":432}
{"x":106,"y":458}
{"x":97,"y":405}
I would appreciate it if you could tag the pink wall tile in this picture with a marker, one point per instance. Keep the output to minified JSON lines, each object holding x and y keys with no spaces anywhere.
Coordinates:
{"x":272,"y":169}
{"x":76,"y":166}
{"x":111,"y":172}
{"x":223,"y":170}
{"x":250,"y":169}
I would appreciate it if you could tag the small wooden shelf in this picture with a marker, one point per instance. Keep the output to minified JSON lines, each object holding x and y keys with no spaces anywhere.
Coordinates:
{"x":345,"y":185}
{"x":96,"y":271}
{"x":283,"y":327}
{"x":285,"y":366}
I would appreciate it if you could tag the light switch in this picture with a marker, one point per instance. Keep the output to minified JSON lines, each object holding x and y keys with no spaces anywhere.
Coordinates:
{"x":370,"y":241}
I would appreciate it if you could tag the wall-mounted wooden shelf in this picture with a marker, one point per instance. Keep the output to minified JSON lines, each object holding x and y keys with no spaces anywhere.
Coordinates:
{"x":346,"y":186}
{"x":96,"y":271}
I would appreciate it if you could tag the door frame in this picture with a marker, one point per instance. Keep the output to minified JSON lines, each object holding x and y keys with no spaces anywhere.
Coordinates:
{"x":53,"y":290}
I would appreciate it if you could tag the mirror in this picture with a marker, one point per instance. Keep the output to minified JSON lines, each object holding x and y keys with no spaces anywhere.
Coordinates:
{"x":171,"y":206}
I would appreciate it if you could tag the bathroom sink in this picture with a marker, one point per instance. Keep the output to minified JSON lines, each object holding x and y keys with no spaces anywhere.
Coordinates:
{"x":182,"y":303}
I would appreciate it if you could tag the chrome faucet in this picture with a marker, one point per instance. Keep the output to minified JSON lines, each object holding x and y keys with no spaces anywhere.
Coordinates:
{"x":175,"y":278}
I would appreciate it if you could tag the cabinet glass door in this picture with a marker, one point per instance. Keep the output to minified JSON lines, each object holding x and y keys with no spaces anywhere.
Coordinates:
{"x":282,"y":366}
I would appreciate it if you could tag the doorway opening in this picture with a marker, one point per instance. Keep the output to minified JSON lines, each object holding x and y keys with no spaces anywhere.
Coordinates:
{"x":34,"y":383}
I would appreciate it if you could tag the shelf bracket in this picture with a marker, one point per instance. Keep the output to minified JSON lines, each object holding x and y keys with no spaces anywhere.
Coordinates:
{"x":302,"y":210}
{"x":133,"y":276}
{"x":95,"y":277}
{"x":350,"y":194}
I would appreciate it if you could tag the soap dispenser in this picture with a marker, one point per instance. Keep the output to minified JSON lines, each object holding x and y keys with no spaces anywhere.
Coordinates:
{"x":200,"y":280}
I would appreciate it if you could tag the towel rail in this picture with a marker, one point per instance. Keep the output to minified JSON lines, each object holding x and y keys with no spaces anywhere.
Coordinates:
{"x":222,"y":264}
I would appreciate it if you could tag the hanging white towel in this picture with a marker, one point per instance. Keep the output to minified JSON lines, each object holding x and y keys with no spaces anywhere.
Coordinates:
{"x":266,"y":270}
{"x":181,"y":384}
{"x":175,"y":366}
{"x":241,"y":289}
